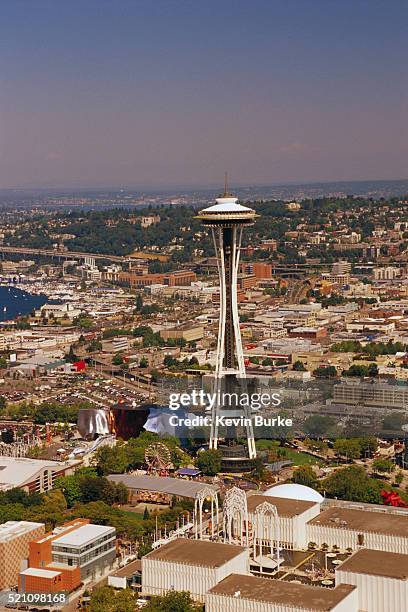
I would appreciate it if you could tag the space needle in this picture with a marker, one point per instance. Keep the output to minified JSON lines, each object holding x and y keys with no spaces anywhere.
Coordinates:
{"x":227,"y":220}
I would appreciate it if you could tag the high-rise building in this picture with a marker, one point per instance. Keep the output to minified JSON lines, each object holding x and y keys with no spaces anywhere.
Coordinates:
{"x":341,"y":267}
{"x":227,"y":220}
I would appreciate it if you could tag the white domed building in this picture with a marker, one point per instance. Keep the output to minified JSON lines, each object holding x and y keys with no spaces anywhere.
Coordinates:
{"x":295,"y":491}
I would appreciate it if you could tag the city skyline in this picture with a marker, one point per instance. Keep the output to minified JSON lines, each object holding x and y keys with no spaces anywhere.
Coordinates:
{"x":159,"y":95}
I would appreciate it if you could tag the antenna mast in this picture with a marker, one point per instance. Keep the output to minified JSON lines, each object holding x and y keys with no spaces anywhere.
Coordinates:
{"x":225,"y":184}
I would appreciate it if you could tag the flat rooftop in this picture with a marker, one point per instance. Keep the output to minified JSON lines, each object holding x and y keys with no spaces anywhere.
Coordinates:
{"x":281,"y":593}
{"x":285,"y":507}
{"x":377,"y":563}
{"x":362,"y":521}
{"x":14,"y":529}
{"x":171,"y":486}
{"x":39,"y":573}
{"x":83,"y":535}
{"x":196,"y":552}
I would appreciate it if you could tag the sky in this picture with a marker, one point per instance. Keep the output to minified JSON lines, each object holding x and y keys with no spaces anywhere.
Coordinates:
{"x":159,"y":93}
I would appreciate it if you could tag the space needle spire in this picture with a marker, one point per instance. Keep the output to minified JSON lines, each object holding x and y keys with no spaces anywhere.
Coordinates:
{"x":227,"y":220}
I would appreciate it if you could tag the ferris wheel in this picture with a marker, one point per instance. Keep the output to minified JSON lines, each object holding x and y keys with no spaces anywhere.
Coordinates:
{"x":158,"y":458}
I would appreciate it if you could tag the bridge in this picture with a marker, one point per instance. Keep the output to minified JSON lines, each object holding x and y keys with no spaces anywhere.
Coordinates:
{"x":61,"y":254}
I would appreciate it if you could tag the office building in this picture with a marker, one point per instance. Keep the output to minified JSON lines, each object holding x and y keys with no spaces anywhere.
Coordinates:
{"x":377,"y":395}
{"x":67,"y":556}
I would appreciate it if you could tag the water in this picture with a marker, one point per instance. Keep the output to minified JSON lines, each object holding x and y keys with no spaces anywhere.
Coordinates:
{"x":15,"y":302}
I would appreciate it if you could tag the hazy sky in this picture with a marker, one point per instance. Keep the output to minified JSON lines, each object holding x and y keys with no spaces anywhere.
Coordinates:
{"x":173,"y":92}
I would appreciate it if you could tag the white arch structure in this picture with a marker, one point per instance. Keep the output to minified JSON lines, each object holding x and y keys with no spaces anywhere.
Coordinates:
{"x":235,"y":516}
{"x":266,"y":530}
{"x":202,"y":495}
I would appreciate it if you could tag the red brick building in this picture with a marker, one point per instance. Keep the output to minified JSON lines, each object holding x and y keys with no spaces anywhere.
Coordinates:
{"x":61,"y":559}
{"x":261,"y":270}
{"x":178,"y":278}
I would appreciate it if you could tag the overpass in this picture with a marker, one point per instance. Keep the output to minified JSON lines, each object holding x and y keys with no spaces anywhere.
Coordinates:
{"x":61,"y":254}
{"x":300,"y":289}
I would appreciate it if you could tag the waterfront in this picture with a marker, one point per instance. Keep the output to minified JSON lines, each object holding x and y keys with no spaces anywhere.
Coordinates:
{"x":16,"y":302}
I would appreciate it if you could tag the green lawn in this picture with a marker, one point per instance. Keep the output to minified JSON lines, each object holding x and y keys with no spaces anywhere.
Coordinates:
{"x":138,"y":515}
{"x":300,"y":458}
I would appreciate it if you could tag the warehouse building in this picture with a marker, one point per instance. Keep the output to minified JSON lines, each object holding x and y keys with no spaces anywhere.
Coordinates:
{"x":238,"y":593}
{"x":191,"y":565}
{"x":381,"y":579}
{"x":351,"y":528}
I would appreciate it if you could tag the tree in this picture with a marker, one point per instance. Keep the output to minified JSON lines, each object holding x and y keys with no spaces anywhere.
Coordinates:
{"x":325,"y":372}
{"x":209,"y":462}
{"x":169,"y":361}
{"x":70,"y":486}
{"x":107,"y":599}
{"x":350,"y":448}
{"x":146,"y":514}
{"x":121,"y":493}
{"x":298,"y":366}
{"x":362,"y":370}
{"x":71,"y":356}
{"x":399,"y":478}
{"x":53,"y":508}
{"x":259,"y":468}
{"x":369,"y":445}
{"x":143,"y":363}
{"x":155,"y":375}
{"x":174,"y":601}
{"x":149,"y":309}
{"x":353,"y":484}
{"x":304,"y":475}
{"x":85,"y":323}
{"x":117,"y":359}
{"x":111,"y":460}
{"x":144,"y":549}
{"x":138,"y":302}
{"x":94,"y":488}
{"x":94,"y":346}
{"x":383,"y":465}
